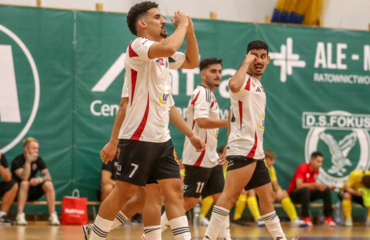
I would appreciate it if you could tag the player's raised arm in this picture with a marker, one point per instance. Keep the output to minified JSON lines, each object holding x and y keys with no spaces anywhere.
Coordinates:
{"x":237,"y":81}
{"x":168,"y":46}
{"x":192,"y":50}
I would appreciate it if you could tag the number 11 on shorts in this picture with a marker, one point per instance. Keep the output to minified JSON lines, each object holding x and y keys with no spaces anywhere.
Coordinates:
{"x":133,"y":171}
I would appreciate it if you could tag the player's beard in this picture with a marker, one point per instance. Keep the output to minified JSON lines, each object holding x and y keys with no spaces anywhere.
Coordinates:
{"x":164,"y":35}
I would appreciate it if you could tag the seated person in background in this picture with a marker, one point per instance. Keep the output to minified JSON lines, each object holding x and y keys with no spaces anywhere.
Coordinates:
{"x":108,"y":181}
{"x":282,"y":195}
{"x":24,"y":170}
{"x":351,"y":191}
{"x":8,"y":190}
{"x":304,"y":188}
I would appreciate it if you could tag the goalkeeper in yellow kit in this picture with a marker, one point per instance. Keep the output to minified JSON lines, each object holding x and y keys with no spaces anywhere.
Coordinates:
{"x":356,"y":189}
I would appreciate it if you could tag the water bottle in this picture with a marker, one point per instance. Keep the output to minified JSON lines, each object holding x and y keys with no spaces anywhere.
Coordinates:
{"x":196,"y":215}
{"x":338,"y":213}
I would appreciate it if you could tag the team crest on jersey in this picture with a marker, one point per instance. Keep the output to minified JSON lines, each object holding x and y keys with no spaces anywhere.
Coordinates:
{"x":261,"y":123}
{"x":164,"y":96}
{"x":161,"y":61}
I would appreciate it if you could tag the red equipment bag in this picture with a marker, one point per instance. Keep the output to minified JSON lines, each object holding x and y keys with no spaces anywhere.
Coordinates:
{"x":74,"y":209}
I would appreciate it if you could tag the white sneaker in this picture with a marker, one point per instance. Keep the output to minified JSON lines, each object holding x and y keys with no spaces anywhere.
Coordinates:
{"x":86,"y":229}
{"x":260,"y":223}
{"x":204,"y":221}
{"x":21,"y":219}
{"x":348,"y":222}
{"x":298,"y":223}
{"x":53,"y":219}
{"x":368,"y":222}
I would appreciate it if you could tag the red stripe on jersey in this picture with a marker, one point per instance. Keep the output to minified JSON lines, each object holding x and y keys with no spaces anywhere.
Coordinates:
{"x":248,"y":85}
{"x":133,"y":83}
{"x":131,"y":51}
{"x":241,"y":114}
{"x":200,"y":159}
{"x":195,"y":99}
{"x":141,"y":127}
{"x":253,"y":150}
{"x":193,"y":125}
{"x":212,"y":104}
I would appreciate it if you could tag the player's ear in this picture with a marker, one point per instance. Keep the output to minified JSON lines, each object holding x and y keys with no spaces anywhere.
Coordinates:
{"x":141,"y":23}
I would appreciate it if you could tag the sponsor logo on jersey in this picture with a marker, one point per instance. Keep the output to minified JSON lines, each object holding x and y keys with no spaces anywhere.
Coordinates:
{"x":343,"y":139}
{"x":161,"y":61}
{"x":258,"y":89}
{"x":261,"y":123}
{"x":164,"y":96}
{"x":215,"y":133}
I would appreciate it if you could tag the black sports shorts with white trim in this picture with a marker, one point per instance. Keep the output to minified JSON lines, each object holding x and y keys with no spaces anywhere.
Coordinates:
{"x":200,"y":181}
{"x":142,"y":163}
{"x":6,"y":186}
{"x":260,"y":175}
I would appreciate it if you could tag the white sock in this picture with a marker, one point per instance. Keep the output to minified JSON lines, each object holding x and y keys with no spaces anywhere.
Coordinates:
{"x":218,"y":218}
{"x":153,"y":233}
{"x":120,"y":219}
{"x":100,"y":229}
{"x":164,"y":222}
{"x":225,"y":230}
{"x":2,"y":214}
{"x":180,"y":228}
{"x":272,"y":222}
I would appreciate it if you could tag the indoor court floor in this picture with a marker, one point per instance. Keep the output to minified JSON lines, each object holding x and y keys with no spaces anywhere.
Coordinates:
{"x":42,"y":231}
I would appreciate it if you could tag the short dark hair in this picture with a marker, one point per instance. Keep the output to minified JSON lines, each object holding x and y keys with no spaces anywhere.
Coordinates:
{"x":137,"y":11}
{"x":257,"y":44}
{"x":316,"y":154}
{"x":269,"y":154}
{"x":205,"y":63}
{"x":366,"y":181}
{"x":221,"y":149}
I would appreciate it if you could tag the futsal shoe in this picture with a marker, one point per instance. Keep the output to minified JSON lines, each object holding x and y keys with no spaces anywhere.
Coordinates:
{"x":86,"y":229}
{"x":328,"y":221}
{"x":21,"y":219}
{"x":307,"y":220}
{"x":260,"y":223}
{"x":298,"y":223}
{"x":5,"y":221}
{"x":204,"y":221}
{"x":348,"y":222}
{"x":53,"y":219}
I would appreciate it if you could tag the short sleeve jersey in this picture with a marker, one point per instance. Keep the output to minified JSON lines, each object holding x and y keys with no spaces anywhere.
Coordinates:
{"x":355,"y":178}
{"x":149,"y":91}
{"x":303,"y":172}
{"x":125,"y":88}
{"x":111,"y":167}
{"x":247,"y":122}
{"x":20,"y":161}
{"x":202,"y":104}
{"x":3,"y":161}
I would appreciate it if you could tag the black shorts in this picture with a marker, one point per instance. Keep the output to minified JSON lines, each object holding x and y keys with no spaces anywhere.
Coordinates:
{"x":142,"y":163}
{"x":35,"y":192}
{"x":200,"y":181}
{"x":6,"y":186}
{"x":356,"y":199}
{"x":260,"y":175}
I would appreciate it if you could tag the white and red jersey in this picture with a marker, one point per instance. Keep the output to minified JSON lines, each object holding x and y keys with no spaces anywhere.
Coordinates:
{"x":202,"y":104}
{"x":149,"y":91}
{"x":247,"y":121}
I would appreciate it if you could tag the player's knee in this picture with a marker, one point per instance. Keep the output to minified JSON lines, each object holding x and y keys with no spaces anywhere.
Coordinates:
{"x":285,"y":194}
{"x":305,"y":192}
{"x":347,"y":196}
{"x":48,"y":186}
{"x":107,"y":188}
{"x":25,"y":185}
{"x":189,"y":203}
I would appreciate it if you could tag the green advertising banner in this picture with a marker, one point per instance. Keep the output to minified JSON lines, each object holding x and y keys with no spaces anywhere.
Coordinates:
{"x":61,"y":77}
